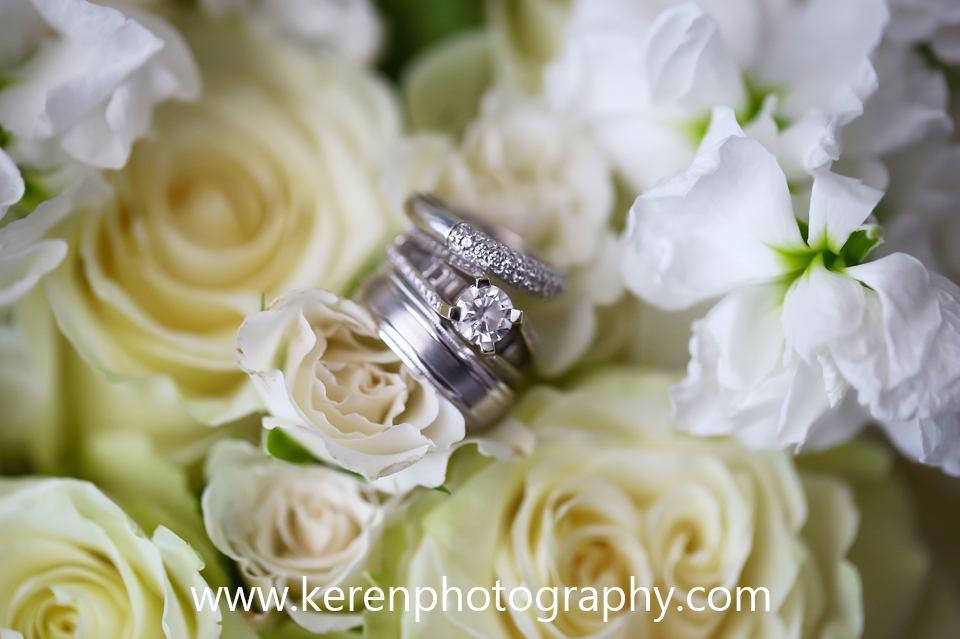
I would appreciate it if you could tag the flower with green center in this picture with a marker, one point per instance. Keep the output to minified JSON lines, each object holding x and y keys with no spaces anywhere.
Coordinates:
{"x":802,"y":319}
{"x":643,"y":77}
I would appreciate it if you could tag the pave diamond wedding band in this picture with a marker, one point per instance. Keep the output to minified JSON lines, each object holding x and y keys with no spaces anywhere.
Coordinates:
{"x":489,"y":248}
{"x":438,"y":308}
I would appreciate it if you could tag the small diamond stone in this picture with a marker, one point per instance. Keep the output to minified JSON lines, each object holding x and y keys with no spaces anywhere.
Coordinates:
{"x":484,"y":314}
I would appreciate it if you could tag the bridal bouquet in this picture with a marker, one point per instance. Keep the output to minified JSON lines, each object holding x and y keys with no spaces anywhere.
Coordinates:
{"x":741,"y":418}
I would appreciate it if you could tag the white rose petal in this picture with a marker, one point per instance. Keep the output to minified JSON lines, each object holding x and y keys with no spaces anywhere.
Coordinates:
{"x":283,"y":523}
{"x":340,"y":391}
{"x":613,"y":496}
{"x":73,"y":560}
{"x":266,"y":184}
{"x":92,"y":85}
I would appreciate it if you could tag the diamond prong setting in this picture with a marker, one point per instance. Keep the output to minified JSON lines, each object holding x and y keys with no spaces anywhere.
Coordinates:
{"x":485,"y":316}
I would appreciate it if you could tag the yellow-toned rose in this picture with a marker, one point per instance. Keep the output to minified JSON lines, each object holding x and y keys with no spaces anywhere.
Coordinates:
{"x":614,"y":492}
{"x":266,"y":184}
{"x":74,"y":565}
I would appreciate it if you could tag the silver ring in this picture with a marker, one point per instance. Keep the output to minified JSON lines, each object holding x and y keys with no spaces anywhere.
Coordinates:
{"x":432,"y":351}
{"x":480,"y":312}
{"x":484,"y":247}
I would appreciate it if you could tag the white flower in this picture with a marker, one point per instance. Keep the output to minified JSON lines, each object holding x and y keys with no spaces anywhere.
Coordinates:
{"x":11,"y":183}
{"x":521,"y":167}
{"x":645,"y":80}
{"x":84,"y":78}
{"x":330,"y":383}
{"x":802,"y":321}
{"x":614,"y":493}
{"x":265,"y":184}
{"x":908,"y":107}
{"x":282,"y":523}
{"x":904,"y":144}
{"x":26,"y":253}
{"x":349,"y":28}
{"x":933,"y":21}
{"x":73,"y":563}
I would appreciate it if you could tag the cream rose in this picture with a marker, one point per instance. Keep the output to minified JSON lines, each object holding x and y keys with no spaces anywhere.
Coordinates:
{"x":613,"y":492}
{"x":266,"y":184}
{"x":282,"y":523}
{"x":330,"y":383}
{"x":74,"y":565}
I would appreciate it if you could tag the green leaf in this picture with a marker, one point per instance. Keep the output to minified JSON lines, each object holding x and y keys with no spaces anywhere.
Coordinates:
{"x":859,"y":244}
{"x":284,"y":447}
{"x":263,"y":301}
{"x":442,"y":489}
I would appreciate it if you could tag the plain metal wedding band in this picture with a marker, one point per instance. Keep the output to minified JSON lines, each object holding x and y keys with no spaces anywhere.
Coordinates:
{"x":485,"y":247}
{"x":493,"y":325}
{"x":431,"y":349}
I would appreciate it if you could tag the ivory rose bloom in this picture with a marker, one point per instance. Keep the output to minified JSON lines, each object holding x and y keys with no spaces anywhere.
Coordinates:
{"x":264,"y":185}
{"x":613,"y":490}
{"x":74,"y":565}
{"x":330,"y":383}
{"x":282,"y":522}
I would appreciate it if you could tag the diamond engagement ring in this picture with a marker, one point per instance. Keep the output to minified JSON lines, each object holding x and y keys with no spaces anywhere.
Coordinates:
{"x":443,"y":304}
{"x":483,"y":314}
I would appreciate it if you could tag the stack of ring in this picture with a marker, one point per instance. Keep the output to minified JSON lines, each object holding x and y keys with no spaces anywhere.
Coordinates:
{"x":438,"y":308}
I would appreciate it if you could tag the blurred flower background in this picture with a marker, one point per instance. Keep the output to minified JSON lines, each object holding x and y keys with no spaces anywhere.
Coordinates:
{"x":753,"y":378}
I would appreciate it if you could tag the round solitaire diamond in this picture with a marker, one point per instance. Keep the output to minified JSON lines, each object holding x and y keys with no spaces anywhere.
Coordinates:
{"x":484,"y":314}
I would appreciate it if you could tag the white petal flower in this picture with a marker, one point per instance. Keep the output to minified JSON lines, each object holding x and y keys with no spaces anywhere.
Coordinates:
{"x":725,"y":222}
{"x":804,"y":324}
{"x":26,"y":254}
{"x":91,"y":84}
{"x":934,"y":21}
{"x":909,"y":104}
{"x":349,"y":28}
{"x":905,"y":361}
{"x":645,"y":80}
{"x":11,"y":183}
